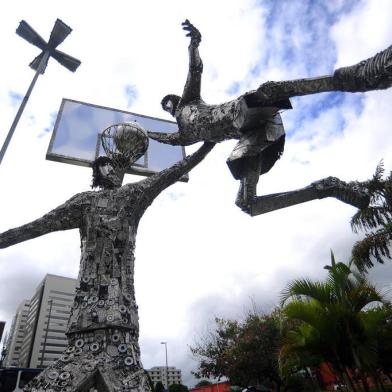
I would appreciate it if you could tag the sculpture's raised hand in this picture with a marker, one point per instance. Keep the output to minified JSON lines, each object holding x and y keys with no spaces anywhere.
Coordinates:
{"x":193,"y":32}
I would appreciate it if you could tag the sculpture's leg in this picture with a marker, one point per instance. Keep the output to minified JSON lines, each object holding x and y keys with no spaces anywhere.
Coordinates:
{"x":372,"y":74}
{"x":64,"y":376}
{"x":102,"y":360}
{"x":350,"y":193}
{"x":247,"y":190}
{"x":114,"y":380}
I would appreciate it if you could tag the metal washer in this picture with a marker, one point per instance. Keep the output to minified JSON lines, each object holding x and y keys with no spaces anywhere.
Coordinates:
{"x":122,"y":348}
{"x":116,"y":337}
{"x":101,"y":303}
{"x":128,"y":361}
{"x":53,"y":375}
{"x":122,"y":309}
{"x":127,"y":296}
{"x":65,"y":376}
{"x":79,"y":343}
{"x":94,"y":299}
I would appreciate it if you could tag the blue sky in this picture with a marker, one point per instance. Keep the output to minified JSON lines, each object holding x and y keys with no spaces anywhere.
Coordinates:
{"x":197,"y":255}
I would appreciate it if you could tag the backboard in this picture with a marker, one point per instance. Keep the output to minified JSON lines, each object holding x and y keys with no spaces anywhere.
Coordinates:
{"x":78,"y":128}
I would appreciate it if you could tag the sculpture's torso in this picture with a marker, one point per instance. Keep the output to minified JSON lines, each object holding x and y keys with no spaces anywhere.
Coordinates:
{"x":105,"y":295}
{"x":199,"y":121}
{"x":230,"y":120}
{"x":259,"y":130}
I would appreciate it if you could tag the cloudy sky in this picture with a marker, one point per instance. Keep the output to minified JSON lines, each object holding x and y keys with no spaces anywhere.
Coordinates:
{"x":198,"y":256}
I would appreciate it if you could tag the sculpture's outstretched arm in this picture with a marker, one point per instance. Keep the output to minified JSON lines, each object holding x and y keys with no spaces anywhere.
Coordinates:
{"x":154,"y":185}
{"x":65,"y":217}
{"x":374,"y":73}
{"x":193,"y":82}
{"x":175,"y":138}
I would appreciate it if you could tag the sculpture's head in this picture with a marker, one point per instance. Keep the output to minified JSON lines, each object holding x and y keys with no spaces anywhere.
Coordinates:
{"x":124,"y":144}
{"x":170,"y":103}
{"x":105,"y":174}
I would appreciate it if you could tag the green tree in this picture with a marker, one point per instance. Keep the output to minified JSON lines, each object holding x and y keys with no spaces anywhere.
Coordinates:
{"x":159,"y":387}
{"x":330,"y":322}
{"x":178,"y":388}
{"x":384,"y":342}
{"x":375,"y":221}
{"x":245,"y":352}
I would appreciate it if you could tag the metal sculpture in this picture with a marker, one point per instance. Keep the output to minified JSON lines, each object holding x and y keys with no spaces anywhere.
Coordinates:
{"x":103,"y":350}
{"x":254,"y":119}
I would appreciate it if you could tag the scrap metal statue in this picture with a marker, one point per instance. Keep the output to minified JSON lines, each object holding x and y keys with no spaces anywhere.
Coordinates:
{"x":254,"y":119}
{"x":103,"y":351}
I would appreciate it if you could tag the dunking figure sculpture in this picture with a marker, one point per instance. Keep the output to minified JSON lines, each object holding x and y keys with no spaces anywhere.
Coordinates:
{"x":103,"y":351}
{"x":254,"y":119}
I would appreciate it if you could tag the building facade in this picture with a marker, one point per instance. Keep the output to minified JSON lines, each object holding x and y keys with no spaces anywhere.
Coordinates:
{"x":16,"y":335}
{"x":44,"y":337}
{"x":159,"y":373}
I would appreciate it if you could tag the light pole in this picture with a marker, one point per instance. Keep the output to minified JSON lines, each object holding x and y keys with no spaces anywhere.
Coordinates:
{"x":167,"y":367}
{"x":59,"y":32}
{"x":50,"y":302}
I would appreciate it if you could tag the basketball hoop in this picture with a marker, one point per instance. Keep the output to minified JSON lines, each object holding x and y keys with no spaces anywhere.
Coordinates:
{"x":124,"y":143}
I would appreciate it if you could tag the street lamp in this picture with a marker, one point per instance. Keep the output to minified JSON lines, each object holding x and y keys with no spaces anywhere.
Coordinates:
{"x":50,"y":302}
{"x":59,"y":32}
{"x":167,"y":368}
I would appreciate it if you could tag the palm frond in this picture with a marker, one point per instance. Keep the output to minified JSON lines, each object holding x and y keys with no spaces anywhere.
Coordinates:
{"x":374,"y":247}
{"x":364,"y":295}
{"x":307,"y":312}
{"x":379,"y":211}
{"x":307,"y":288}
{"x":370,"y":218}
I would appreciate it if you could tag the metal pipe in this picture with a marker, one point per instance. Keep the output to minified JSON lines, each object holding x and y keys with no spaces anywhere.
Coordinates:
{"x":167,"y":367}
{"x":23,"y":104}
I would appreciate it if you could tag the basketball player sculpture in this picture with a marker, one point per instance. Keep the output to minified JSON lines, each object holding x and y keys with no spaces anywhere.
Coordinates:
{"x":254,"y":119}
{"x":103,"y":350}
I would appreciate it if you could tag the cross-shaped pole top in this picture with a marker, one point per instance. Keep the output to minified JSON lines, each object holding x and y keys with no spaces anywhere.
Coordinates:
{"x":59,"y":32}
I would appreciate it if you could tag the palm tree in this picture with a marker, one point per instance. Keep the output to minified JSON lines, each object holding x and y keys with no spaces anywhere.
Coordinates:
{"x":331,"y":321}
{"x":375,"y":221}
